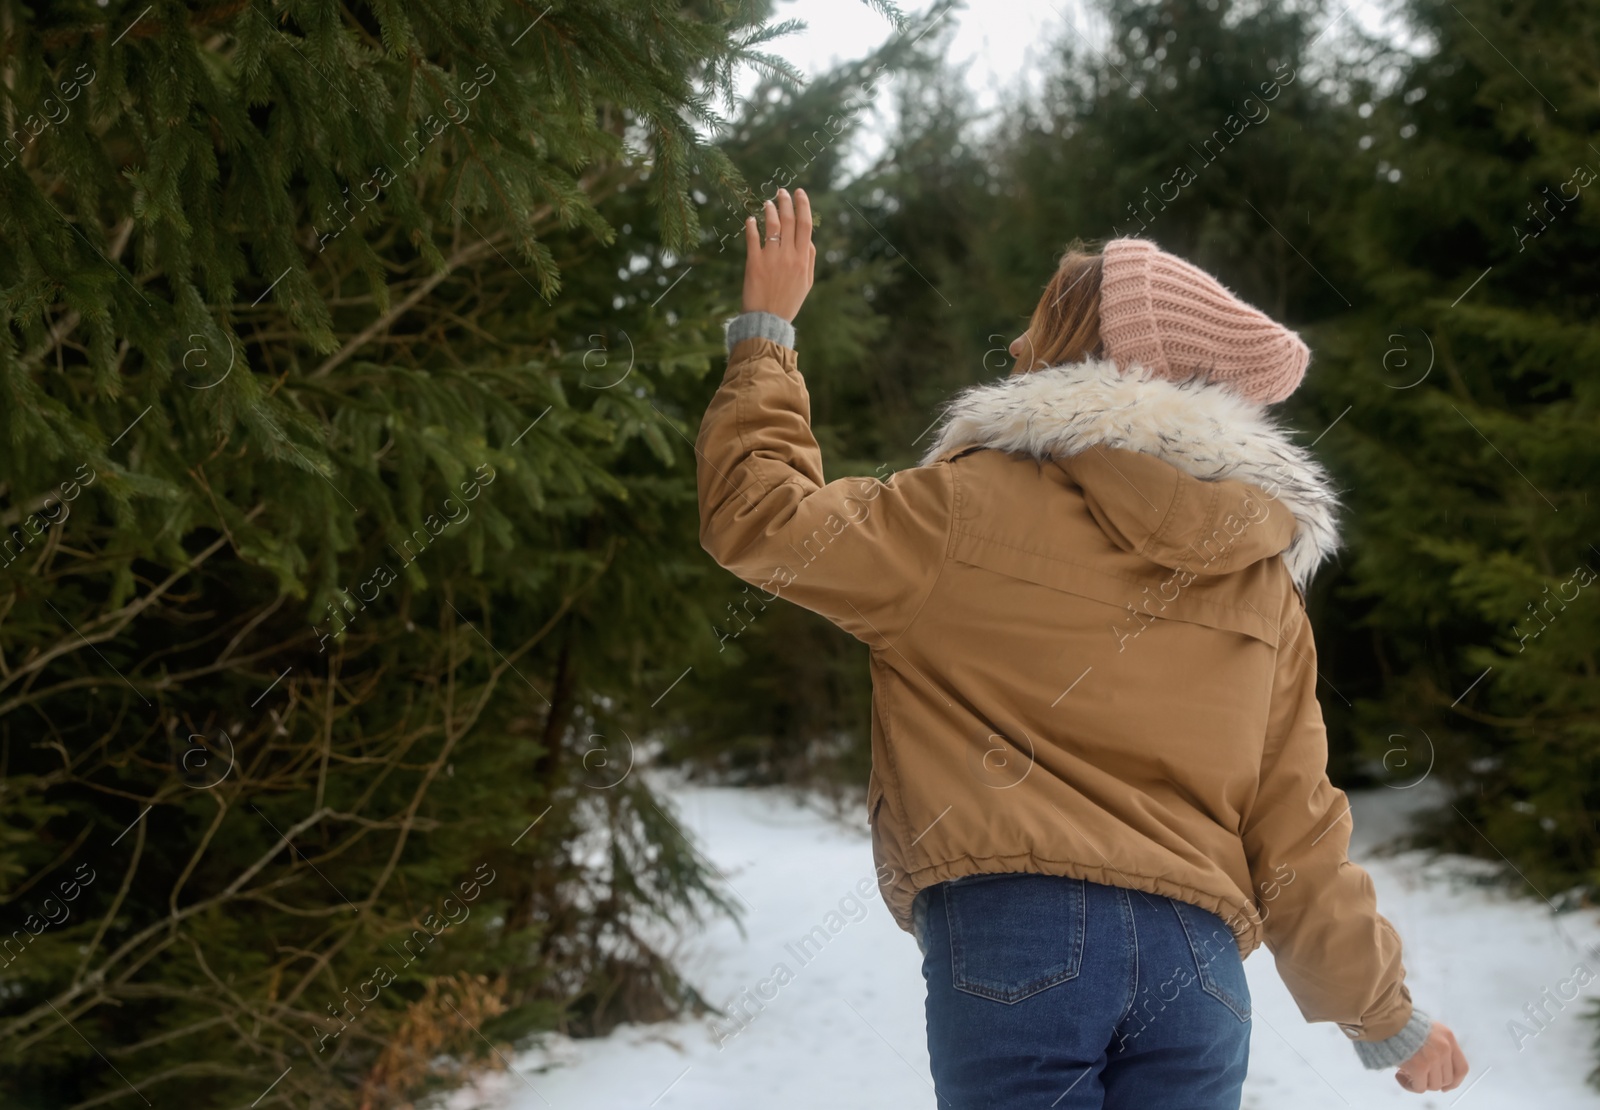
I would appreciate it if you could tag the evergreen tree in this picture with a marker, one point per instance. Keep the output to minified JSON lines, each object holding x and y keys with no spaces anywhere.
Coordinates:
{"x":350,"y":540}
{"x":1470,"y":433}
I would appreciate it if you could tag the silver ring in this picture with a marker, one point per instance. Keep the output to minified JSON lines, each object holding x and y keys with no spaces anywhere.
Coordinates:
{"x":774,"y":238}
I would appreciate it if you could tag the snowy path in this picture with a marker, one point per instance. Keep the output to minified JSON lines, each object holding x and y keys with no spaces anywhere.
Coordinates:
{"x":847,"y":1031}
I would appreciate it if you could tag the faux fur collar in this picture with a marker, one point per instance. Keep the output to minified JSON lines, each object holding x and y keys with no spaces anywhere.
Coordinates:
{"x":1200,"y":427}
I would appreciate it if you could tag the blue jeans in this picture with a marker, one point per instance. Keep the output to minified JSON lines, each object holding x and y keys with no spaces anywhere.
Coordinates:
{"x":1062,"y":994}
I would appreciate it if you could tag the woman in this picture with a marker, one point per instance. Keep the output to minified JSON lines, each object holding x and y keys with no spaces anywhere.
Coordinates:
{"x":1098,"y":761}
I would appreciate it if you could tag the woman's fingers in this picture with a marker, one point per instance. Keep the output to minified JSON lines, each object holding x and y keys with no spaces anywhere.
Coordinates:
{"x":789,"y":221}
{"x":802,"y":224}
{"x":786,"y":219}
{"x":774,"y":229}
{"x":1458,"y":1066}
{"x":781,"y":260}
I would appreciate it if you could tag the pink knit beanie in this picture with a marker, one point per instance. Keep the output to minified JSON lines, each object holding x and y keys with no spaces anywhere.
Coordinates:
{"x":1176,"y":320}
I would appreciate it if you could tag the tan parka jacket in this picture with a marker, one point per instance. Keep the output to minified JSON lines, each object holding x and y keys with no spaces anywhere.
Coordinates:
{"x":1089,"y":648}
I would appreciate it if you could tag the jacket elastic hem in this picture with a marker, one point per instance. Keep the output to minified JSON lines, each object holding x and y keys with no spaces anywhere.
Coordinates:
{"x":1247,"y":931}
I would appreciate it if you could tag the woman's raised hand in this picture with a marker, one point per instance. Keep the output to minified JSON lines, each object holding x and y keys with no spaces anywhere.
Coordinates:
{"x":779,"y":267}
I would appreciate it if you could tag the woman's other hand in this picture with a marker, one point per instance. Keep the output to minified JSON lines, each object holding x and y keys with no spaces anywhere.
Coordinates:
{"x":1438,"y":1065}
{"x":779,"y":267}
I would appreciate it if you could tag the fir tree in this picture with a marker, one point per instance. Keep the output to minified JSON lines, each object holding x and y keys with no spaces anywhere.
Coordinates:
{"x":1470,"y":438}
{"x":350,"y":534}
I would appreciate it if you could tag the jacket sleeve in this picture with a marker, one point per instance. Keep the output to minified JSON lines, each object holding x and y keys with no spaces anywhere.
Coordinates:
{"x":862,"y":552}
{"x":1337,"y":955}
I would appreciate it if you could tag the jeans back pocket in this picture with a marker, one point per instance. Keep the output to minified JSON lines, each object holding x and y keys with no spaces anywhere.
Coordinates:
{"x":1216,"y":957}
{"x":1014,"y":934}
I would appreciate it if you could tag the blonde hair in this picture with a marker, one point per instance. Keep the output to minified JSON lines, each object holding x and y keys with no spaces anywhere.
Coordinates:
{"x":1065,"y":326}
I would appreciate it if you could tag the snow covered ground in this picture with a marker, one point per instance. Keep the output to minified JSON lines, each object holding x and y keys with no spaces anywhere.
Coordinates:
{"x":846,"y":1031}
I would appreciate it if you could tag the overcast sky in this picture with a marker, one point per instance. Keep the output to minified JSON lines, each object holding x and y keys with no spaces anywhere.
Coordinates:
{"x":998,"y":41}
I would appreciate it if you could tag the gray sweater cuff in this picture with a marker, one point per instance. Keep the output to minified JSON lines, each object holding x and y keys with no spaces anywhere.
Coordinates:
{"x":1393,"y":1051}
{"x":760,"y":325}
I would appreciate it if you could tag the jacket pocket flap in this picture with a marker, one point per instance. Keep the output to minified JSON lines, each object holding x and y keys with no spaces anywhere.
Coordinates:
{"x":1188,"y":604}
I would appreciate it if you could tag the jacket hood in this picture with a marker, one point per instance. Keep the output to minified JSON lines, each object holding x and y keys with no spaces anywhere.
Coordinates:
{"x":1064,"y":413}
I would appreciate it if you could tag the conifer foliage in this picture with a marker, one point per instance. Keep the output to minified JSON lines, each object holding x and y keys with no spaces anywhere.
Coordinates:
{"x":1466,"y":379}
{"x":1473,"y":403}
{"x":349,"y":532}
